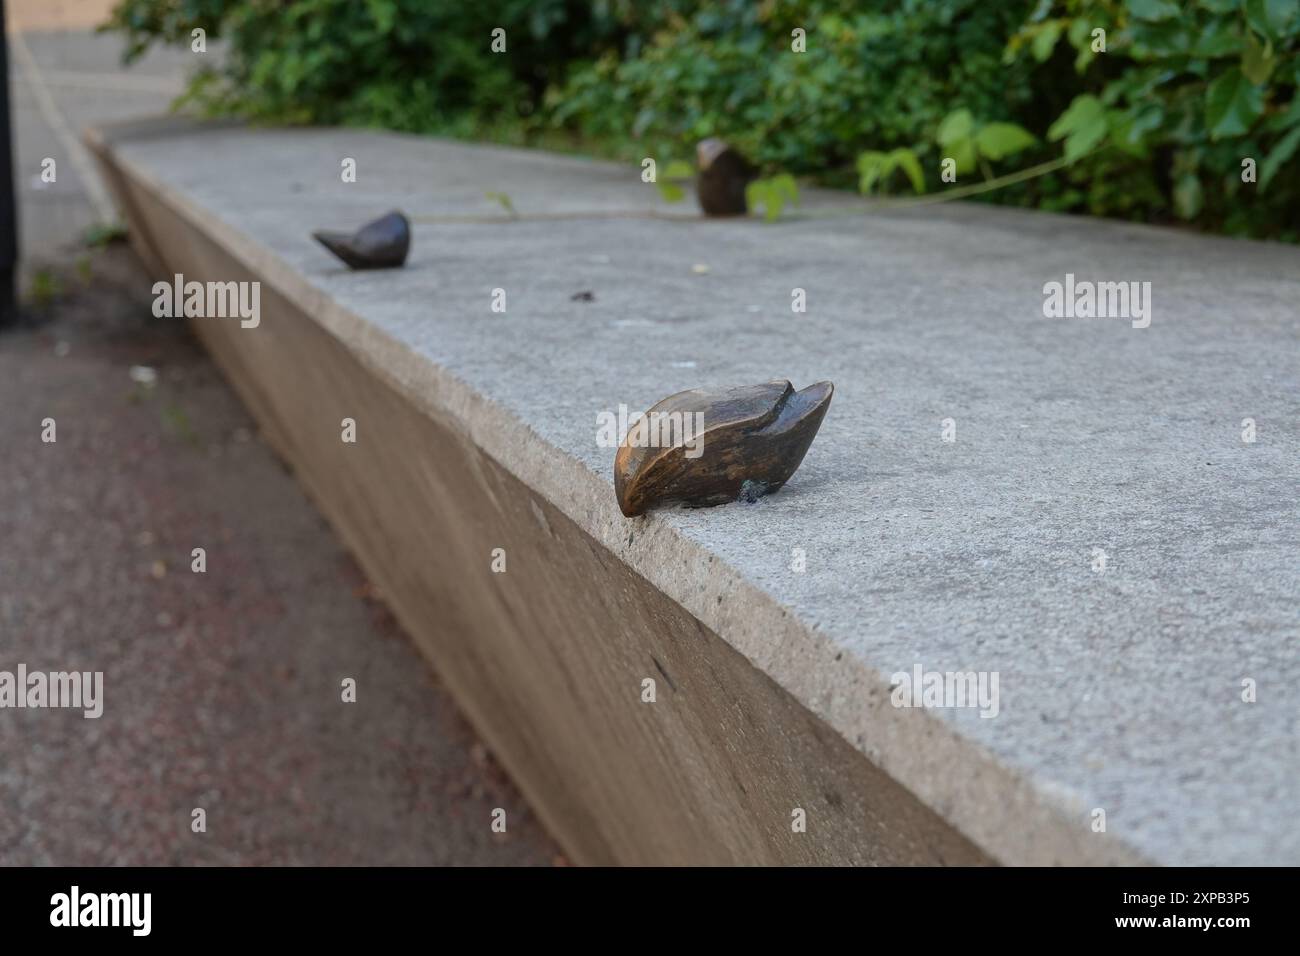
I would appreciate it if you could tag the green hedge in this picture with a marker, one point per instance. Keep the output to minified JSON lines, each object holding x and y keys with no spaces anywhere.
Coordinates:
{"x":1163,"y":125}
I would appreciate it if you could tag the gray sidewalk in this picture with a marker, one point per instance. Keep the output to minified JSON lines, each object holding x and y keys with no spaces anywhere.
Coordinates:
{"x":222,"y":690}
{"x":62,"y":78}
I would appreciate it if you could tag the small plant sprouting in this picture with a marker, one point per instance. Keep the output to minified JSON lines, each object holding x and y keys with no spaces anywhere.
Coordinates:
{"x":177,"y":422}
{"x":104,"y":234}
{"x":875,"y":168}
{"x":772,"y":194}
{"x":45,"y":288}
{"x":670,"y":183}
{"x":505,"y":202}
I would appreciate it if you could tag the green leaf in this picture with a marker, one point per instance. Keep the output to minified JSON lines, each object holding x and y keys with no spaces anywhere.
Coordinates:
{"x":104,"y":234}
{"x":874,"y":167}
{"x":1153,"y":9}
{"x":1083,"y":142}
{"x":1045,"y":40}
{"x":1084,"y":110}
{"x":955,"y":126}
{"x":906,"y":160}
{"x":669,"y":191}
{"x":1123,"y":135}
{"x":1168,"y":38}
{"x":997,"y":140}
{"x":1278,"y":156}
{"x":1282,"y":13}
{"x":870,"y":167}
{"x":505,"y":203}
{"x":1271,"y":17}
{"x":759,"y":195}
{"x":1083,"y":125}
{"x":1220,"y":37}
{"x":963,"y":154}
{"x":1188,"y":197}
{"x":678,"y":169}
{"x":1080,"y":34}
{"x":1290,"y":117}
{"x":1148,"y":120}
{"x":955,"y":136}
{"x":787,"y":187}
{"x":772,"y":194}
{"x":1257,"y":60}
{"x":1232,"y":104}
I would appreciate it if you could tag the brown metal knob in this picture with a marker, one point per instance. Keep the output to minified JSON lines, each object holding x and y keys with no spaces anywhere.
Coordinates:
{"x":706,"y":447}
{"x":721,"y":177}
{"x":382,"y":244}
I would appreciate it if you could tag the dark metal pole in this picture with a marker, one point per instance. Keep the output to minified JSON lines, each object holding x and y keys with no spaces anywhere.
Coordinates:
{"x":8,"y":208}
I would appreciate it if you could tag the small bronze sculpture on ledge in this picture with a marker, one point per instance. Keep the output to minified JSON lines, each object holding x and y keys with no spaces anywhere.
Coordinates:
{"x":721,"y":179}
{"x":702,"y":448}
{"x":382,"y":244}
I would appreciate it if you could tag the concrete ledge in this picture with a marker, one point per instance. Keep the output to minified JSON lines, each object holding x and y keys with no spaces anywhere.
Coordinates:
{"x":1119,"y":691}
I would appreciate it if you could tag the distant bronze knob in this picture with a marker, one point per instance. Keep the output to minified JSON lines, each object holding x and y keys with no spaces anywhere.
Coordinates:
{"x":382,"y":244}
{"x":702,"y":448}
{"x":721,"y":177}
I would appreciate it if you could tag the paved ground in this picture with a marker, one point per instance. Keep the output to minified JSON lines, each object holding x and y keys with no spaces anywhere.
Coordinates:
{"x":64,"y":76}
{"x":222,"y":689}
{"x":1098,"y":534}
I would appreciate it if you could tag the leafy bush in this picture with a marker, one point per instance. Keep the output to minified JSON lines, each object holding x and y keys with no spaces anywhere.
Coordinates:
{"x":1195,"y":104}
{"x":866,"y":80}
{"x":1144,"y":109}
{"x":415,"y":65}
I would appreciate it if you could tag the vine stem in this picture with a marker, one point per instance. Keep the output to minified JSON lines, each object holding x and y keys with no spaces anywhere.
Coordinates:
{"x":566,"y":216}
{"x":961,"y":192}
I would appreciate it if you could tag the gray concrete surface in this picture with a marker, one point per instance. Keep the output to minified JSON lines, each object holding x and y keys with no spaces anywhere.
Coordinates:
{"x":549,"y":660}
{"x":1120,"y":690}
{"x":222,"y":690}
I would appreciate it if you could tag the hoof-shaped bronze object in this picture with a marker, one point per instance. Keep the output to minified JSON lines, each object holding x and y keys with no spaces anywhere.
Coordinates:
{"x":707,"y":447}
{"x":382,"y":244}
{"x":721,"y":177}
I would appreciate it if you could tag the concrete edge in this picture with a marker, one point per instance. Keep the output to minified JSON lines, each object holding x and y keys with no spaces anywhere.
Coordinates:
{"x":993,"y":805}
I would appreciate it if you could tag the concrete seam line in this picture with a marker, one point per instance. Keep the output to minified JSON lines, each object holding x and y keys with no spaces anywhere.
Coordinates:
{"x":103,"y":81}
{"x":1002,"y":813}
{"x":58,"y":123}
{"x":77,"y":79}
